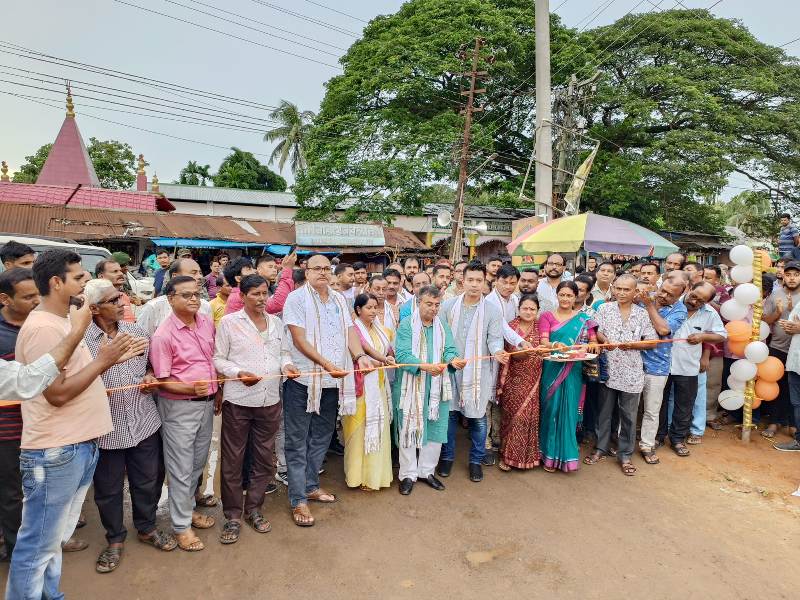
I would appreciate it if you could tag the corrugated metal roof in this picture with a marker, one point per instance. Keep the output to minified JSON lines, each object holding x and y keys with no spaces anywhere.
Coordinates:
{"x":96,"y":224}
{"x":84,"y":196}
{"x":196,"y":193}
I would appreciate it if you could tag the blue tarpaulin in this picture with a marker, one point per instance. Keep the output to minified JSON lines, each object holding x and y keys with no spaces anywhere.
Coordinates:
{"x":193,"y":243}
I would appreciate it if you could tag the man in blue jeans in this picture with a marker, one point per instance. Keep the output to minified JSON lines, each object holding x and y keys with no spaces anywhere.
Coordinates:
{"x":477,"y":327}
{"x":61,"y":426}
{"x":792,"y":327}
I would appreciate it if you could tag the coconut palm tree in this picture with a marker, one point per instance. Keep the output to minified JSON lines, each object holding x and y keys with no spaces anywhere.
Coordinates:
{"x":291,"y":135}
{"x":194,"y":174}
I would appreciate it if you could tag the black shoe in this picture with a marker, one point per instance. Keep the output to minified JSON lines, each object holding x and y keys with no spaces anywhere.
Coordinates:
{"x":444,"y":468}
{"x":489,"y":459}
{"x":336,"y":448}
{"x":475,"y":473}
{"x":271,"y":488}
{"x":406,"y":486}
{"x":434,"y":483}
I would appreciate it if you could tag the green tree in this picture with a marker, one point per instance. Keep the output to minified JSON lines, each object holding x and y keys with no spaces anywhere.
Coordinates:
{"x":753,"y":213}
{"x":241,"y":169}
{"x":30,"y":169}
{"x":114,"y":162}
{"x":389,"y":126}
{"x":194,"y":174}
{"x":291,"y":135}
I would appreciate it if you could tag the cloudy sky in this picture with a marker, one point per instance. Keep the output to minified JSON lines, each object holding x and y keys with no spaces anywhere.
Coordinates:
{"x":115,"y":34}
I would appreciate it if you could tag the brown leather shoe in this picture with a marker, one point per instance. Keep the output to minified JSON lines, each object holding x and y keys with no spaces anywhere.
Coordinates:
{"x":74,"y":545}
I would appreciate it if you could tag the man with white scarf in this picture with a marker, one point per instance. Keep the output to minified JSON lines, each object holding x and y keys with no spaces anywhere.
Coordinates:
{"x":325,"y":348}
{"x":477,"y":327}
{"x":419,"y":281}
{"x":422,"y":393}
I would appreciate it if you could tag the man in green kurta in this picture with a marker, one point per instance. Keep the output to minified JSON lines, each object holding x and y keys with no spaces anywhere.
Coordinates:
{"x":422,"y":393}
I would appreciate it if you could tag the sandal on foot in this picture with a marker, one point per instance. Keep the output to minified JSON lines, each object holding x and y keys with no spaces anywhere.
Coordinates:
{"x":595,"y":458}
{"x":680,"y":449}
{"x":302,"y":516}
{"x":694,"y":440}
{"x":201,"y":521}
{"x":650,"y":457}
{"x":320,"y":495}
{"x":258,"y":522}
{"x":720,"y":422}
{"x":206,"y":500}
{"x":503,"y":466}
{"x":189,"y":542}
{"x":628,"y":468}
{"x":230,"y":532}
{"x":769,"y":433}
{"x":160,"y":540}
{"x":109,"y":559}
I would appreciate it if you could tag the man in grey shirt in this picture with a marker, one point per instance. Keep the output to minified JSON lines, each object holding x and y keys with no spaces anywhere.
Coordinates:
{"x":777,"y":306}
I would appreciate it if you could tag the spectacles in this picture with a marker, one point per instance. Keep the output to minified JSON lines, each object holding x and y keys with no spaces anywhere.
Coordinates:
{"x":318,"y":269}
{"x":553,"y":264}
{"x":188,"y":295}
{"x":114,"y":300}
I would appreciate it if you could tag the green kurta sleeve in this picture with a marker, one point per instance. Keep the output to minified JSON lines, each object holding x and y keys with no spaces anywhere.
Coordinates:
{"x":403,"y":353}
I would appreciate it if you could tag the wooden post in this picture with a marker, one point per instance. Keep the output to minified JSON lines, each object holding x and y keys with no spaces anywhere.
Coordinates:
{"x":750,"y":390}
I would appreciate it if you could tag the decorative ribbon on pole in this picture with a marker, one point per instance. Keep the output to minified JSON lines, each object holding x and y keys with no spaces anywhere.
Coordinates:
{"x":750,"y":390}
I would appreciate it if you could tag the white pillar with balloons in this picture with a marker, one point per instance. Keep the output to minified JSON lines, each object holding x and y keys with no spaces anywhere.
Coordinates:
{"x":754,"y":377}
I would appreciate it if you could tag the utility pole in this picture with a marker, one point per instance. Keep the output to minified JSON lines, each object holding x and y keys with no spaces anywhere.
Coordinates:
{"x":543,"y":133}
{"x":457,"y":235}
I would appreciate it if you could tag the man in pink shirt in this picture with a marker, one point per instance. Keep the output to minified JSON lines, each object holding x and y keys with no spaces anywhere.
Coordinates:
{"x":182,"y":356}
{"x":233,"y":272}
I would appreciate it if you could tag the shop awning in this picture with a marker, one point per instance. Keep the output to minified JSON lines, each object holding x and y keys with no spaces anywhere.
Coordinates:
{"x":164,"y":242}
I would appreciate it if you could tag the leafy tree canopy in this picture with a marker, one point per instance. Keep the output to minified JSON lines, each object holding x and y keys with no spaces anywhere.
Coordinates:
{"x":684,"y":99}
{"x":194,"y":174}
{"x":114,"y":162}
{"x":241,"y":169}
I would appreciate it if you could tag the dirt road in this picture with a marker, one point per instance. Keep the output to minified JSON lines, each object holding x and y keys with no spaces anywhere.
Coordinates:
{"x":719,"y":524}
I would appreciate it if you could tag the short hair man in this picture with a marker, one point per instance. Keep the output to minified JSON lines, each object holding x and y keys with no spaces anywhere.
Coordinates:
{"x":528,"y":281}
{"x":788,"y":236}
{"x":650,"y":272}
{"x":158,"y":310}
{"x":441,"y":276}
{"x":360,"y":275}
{"x":111,"y":270}
{"x":234,"y":271}
{"x":674,"y":262}
{"x":456,"y":287}
{"x":248,"y":353}
{"x":181,"y":353}
{"x":345,"y":276}
{"x":419,"y":281}
{"x":394,"y":284}
{"x":605,"y":274}
{"x":211,"y":279}
{"x":546,"y":288}
{"x":492,"y":266}
{"x":134,"y":447}
{"x":163,"y":260}
{"x":695,"y":272}
{"x":16,"y":255}
{"x":410,"y":268}
{"x":66,"y":420}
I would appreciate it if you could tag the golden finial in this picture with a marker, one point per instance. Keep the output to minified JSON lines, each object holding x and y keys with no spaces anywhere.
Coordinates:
{"x":154,"y":184}
{"x":4,"y":172}
{"x":70,"y":105}
{"x":141,"y":165}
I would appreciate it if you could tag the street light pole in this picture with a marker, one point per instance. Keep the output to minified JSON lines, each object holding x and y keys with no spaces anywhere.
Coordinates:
{"x":543,"y":136}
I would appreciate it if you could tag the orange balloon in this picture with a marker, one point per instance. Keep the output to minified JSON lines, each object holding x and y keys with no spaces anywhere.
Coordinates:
{"x":767,"y":390}
{"x":756,"y":403}
{"x":739,"y":331}
{"x":737,"y":348}
{"x":770,"y":370}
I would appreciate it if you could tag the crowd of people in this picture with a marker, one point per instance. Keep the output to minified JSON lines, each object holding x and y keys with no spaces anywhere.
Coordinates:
{"x":383,"y":368}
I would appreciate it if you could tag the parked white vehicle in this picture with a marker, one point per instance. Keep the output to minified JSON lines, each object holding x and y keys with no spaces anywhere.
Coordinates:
{"x":90,"y":256}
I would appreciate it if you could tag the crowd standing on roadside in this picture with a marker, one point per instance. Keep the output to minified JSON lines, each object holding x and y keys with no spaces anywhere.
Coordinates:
{"x":384,"y":368}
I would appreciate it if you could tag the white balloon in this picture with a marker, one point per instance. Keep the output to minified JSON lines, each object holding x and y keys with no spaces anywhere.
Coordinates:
{"x":736,"y":384}
{"x":756,"y":352}
{"x":741,"y":255}
{"x":746,"y":293}
{"x":732,"y":310}
{"x":764,"y":332}
{"x":731,"y":399}
{"x":743,"y":369}
{"x":742,"y":274}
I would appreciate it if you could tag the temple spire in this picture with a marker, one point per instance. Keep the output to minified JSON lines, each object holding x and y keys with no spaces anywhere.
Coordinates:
{"x":70,"y":105}
{"x":4,"y":172}
{"x":154,"y":184}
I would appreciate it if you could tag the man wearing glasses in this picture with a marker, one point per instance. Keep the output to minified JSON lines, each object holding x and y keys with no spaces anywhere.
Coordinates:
{"x":182,"y":356}
{"x":546,"y":289}
{"x":157,"y":310}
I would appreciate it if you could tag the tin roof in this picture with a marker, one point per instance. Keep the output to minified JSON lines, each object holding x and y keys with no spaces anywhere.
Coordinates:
{"x":82,"y":196}
{"x":196,"y":193}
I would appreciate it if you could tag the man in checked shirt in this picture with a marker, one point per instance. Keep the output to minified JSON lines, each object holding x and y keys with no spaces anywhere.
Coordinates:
{"x":134,"y":446}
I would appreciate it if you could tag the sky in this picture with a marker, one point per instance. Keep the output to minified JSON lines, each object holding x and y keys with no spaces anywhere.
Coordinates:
{"x":116,"y":35}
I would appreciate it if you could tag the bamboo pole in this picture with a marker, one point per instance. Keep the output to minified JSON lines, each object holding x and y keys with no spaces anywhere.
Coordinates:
{"x":750,"y":390}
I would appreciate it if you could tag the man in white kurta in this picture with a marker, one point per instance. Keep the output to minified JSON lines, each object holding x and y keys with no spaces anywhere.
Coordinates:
{"x":477,"y":327}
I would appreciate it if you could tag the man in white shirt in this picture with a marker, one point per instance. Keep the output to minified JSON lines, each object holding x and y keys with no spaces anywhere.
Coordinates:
{"x":325,"y":343}
{"x":702,"y":325}
{"x":546,"y":289}
{"x":791,"y":326}
{"x":248,"y":350}
{"x":157,"y":310}
{"x":345,"y":277}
